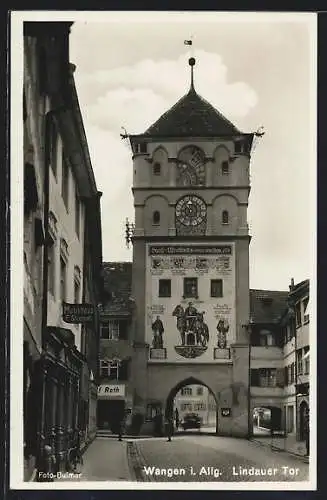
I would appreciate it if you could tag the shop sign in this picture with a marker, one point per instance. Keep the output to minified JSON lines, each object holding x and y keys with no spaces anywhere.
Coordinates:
{"x":109,"y":391}
{"x":77,"y":313}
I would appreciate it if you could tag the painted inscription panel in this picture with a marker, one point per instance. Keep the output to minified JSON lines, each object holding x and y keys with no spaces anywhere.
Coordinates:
{"x":190,"y":296}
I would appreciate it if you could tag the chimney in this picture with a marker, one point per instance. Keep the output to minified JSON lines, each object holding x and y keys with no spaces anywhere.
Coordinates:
{"x":292,"y":284}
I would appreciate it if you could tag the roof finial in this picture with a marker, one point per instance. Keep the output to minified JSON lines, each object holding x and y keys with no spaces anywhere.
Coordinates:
{"x":191,"y":62}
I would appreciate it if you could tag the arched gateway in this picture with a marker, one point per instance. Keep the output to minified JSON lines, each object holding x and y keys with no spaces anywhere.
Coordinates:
{"x":191,"y":381}
{"x":190,"y":277}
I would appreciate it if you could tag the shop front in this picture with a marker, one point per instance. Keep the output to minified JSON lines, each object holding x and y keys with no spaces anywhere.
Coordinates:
{"x":61,"y":370}
{"x":111,"y":406}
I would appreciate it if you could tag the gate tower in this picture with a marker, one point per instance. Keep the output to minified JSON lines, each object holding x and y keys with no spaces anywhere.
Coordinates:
{"x":190,"y":278}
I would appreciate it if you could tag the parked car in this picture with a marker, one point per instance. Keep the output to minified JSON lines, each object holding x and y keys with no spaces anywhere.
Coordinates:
{"x":191,"y":421}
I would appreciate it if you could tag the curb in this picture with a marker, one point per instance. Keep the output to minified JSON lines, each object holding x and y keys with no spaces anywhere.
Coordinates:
{"x":124,"y":436}
{"x":303,"y":458}
{"x":136,"y":463}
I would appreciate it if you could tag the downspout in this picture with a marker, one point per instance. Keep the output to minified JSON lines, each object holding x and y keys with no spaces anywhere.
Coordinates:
{"x":41,"y":436}
{"x":249,"y":385}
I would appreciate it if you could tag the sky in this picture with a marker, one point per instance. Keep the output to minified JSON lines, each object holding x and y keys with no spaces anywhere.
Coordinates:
{"x":257,"y":69}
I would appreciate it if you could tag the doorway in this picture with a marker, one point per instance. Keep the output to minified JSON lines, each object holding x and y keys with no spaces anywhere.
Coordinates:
{"x":110,"y":413}
{"x":304,"y":412}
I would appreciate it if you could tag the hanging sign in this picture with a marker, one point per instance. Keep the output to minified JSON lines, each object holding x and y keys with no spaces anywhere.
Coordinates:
{"x":77,"y":313}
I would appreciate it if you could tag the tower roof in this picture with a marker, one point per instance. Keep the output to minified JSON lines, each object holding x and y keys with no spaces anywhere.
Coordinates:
{"x":192,"y":116}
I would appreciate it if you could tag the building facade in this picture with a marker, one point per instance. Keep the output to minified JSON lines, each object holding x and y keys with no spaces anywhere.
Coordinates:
{"x":68,"y":216}
{"x":279,"y":362}
{"x":33,"y":120}
{"x":115,"y":393}
{"x":191,"y":260}
{"x":196,"y":399}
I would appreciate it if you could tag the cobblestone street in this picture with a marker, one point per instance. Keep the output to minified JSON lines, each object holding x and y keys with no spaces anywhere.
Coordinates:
{"x":205,"y":458}
{"x":188,"y":459}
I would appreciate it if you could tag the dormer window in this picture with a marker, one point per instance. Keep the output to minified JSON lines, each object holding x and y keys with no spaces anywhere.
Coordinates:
{"x":156,"y":218}
{"x":225,"y":168}
{"x":157,"y":169}
{"x":225,"y":217}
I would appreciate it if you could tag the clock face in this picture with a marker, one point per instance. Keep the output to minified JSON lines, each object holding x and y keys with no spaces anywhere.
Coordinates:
{"x":191,"y":210}
{"x":191,"y":170}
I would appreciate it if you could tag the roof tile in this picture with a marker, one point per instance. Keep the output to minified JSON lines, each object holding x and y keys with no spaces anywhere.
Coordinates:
{"x":267,"y":306}
{"x":192,"y":116}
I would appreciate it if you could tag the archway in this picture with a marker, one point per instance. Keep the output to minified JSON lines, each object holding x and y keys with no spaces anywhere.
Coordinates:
{"x":266,"y":419}
{"x":193,"y":407}
{"x":304,"y":410}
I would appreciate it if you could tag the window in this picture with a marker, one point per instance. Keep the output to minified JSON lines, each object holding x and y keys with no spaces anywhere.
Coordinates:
{"x":190,"y":288}
{"x":305,"y":312}
{"x":141,"y":147}
{"x":63,"y":279}
{"x":164,"y":288}
{"x":110,"y":330}
{"x":65,"y":180}
{"x":186,"y":391}
{"x":77,"y":285}
{"x":199,"y":407}
{"x":186,"y":407}
{"x":216,"y":288}
{"x":267,"y":377}
{"x":114,"y":369}
{"x":225,"y":217}
{"x":156,"y":169}
{"x":199,"y":391}
{"x":292,"y":373}
{"x":266,"y":338}
{"x":156,"y":218}
{"x":298,"y":318}
{"x":306,"y":360}
{"x":264,"y":377}
{"x":77,"y":214}
{"x":52,"y":266}
{"x":286,"y":379}
{"x":225,"y":168}
{"x":299,"y":362}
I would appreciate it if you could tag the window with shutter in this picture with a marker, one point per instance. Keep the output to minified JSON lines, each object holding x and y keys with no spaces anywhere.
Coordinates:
{"x":286,"y":375}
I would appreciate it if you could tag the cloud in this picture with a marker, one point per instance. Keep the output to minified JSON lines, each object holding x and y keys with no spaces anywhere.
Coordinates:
{"x":253,"y":74}
{"x":135,"y":96}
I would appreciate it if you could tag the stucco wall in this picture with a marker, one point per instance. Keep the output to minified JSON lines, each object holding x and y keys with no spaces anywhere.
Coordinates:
{"x":65,"y":229}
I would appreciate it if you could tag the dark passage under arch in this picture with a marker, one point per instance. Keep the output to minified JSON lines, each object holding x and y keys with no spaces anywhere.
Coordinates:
{"x":190,"y":381}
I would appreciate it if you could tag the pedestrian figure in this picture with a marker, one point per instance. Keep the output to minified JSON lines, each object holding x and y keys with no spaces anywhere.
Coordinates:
{"x":176,"y":418}
{"x":169,"y":427}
